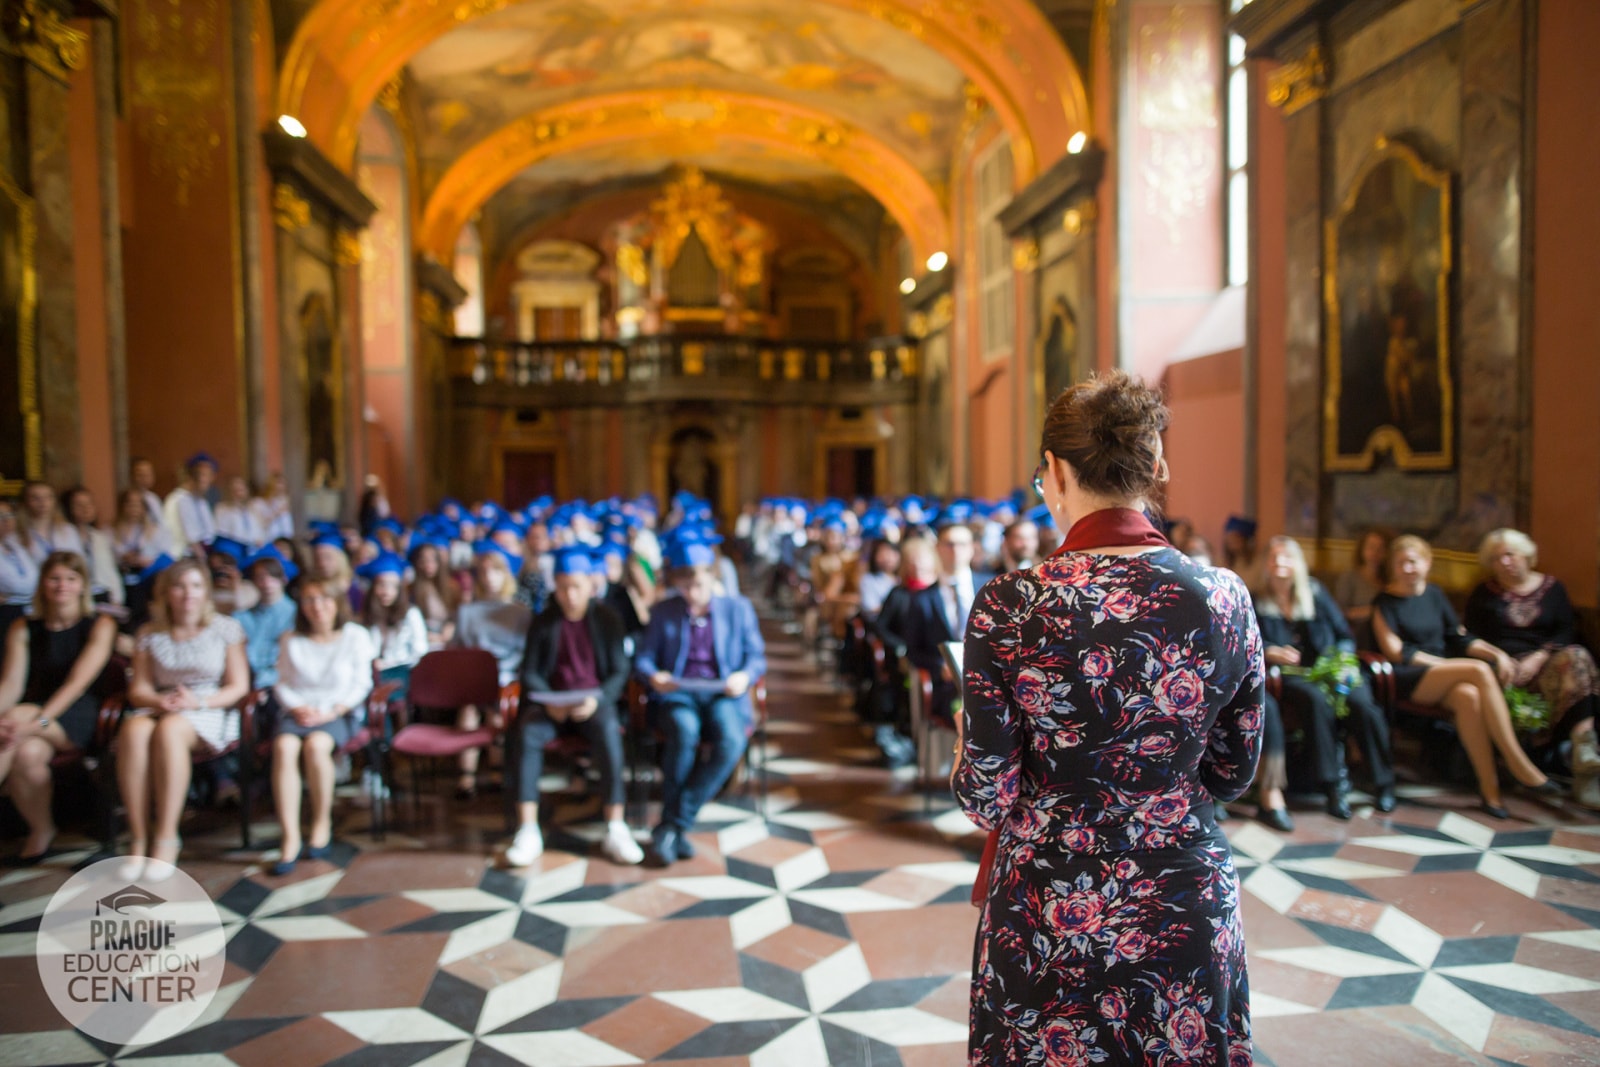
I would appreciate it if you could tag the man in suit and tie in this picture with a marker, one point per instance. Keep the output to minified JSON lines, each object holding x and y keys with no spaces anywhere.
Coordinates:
{"x":575,"y":645}
{"x":939,"y":613}
{"x":700,"y":654}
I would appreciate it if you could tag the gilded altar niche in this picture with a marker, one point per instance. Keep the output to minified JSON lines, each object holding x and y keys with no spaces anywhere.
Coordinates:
{"x":691,"y":263}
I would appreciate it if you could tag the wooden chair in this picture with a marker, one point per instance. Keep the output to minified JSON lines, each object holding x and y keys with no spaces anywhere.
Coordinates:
{"x":642,"y":724}
{"x":925,"y":718}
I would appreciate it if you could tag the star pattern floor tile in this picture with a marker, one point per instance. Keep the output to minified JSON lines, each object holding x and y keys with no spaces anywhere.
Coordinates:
{"x":834,"y":931}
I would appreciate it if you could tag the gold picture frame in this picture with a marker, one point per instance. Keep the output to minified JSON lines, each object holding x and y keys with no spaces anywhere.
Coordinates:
{"x":19,"y":281}
{"x":1386,"y":288}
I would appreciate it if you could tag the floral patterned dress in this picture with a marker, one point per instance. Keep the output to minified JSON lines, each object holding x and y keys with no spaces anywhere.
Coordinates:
{"x":1107,"y":700}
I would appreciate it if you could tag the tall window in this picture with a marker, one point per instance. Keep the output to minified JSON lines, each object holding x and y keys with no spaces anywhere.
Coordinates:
{"x":997,"y":315}
{"x":1238,"y":132}
{"x":469,"y":274}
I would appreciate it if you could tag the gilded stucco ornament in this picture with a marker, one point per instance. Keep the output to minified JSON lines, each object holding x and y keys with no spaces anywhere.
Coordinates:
{"x":42,"y":38}
{"x":290,"y":210}
{"x":1294,"y":85}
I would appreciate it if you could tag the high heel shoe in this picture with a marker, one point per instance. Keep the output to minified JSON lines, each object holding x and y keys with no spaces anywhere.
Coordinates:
{"x":1549,"y":789}
{"x":1494,"y":811}
{"x":1277,"y":818}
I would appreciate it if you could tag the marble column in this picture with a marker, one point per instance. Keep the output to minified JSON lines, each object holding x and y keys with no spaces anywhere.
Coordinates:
{"x":51,"y":180}
{"x":1303,"y":243}
{"x":105,"y":113}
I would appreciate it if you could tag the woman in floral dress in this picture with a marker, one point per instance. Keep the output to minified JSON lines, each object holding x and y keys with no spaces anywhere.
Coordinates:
{"x":1110,"y":693}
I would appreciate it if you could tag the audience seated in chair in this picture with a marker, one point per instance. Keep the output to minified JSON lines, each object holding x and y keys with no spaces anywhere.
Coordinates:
{"x":42,"y":529}
{"x":1301,"y":624}
{"x":1528,"y":615}
{"x":938,"y":614}
{"x":1437,"y":662}
{"x":493,"y":621}
{"x":47,"y":700}
{"x":575,"y":644}
{"x":105,"y":577}
{"x":324,"y":676}
{"x":434,"y":592}
{"x":700,"y":637}
{"x":398,"y":631}
{"x":1019,"y":550}
{"x":1358,"y":587}
{"x":189,"y":674}
{"x":138,"y":542}
{"x":187,"y":510}
{"x":272,"y":616}
{"x":19,"y":573}
{"x":634,"y":597}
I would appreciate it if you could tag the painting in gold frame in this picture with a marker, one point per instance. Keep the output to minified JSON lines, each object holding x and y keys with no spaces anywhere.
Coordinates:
{"x":1388,"y":385}
{"x":21,"y":447}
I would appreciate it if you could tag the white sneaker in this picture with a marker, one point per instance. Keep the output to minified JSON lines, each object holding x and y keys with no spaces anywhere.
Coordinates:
{"x":619,"y":845}
{"x":526,"y":847}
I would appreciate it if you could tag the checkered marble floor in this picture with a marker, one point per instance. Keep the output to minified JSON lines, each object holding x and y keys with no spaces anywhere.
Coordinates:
{"x":836,"y":930}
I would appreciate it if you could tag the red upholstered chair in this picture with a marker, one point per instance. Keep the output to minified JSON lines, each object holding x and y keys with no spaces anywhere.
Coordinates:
{"x":450,"y":679}
{"x":92,"y":762}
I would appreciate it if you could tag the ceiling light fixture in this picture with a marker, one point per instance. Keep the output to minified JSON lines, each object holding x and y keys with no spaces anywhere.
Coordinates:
{"x":291,"y":126}
{"x":937,"y":262}
{"x":908,"y":286}
{"x":1076,"y":143}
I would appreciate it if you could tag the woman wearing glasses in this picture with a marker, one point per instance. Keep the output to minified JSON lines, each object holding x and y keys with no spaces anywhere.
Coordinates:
{"x":1110,"y":692}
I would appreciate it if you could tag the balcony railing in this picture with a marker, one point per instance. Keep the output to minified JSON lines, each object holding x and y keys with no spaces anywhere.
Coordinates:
{"x":642,"y":369}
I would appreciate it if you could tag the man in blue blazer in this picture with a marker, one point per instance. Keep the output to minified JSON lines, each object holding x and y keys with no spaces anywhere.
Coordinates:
{"x":693,"y":642}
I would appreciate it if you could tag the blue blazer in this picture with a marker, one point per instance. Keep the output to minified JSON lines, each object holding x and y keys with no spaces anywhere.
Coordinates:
{"x":735,"y":632}
{"x":928,"y":626}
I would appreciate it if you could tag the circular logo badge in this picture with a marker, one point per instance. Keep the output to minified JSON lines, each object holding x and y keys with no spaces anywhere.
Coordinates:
{"x":131,"y":960}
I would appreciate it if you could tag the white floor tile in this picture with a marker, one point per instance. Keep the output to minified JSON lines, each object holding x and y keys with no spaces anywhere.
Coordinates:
{"x":458,"y":900}
{"x":521,"y":996}
{"x":731,"y":1005}
{"x":1340,"y":962}
{"x":1267,"y":1006}
{"x":759,"y":921}
{"x":815,"y":820}
{"x":741,"y":835}
{"x":1511,"y":874}
{"x":850,"y":899}
{"x":1566,"y":857}
{"x":801,"y":1046}
{"x":1273,"y":888}
{"x":901,"y":1026}
{"x":293,"y":896}
{"x":392,"y":1026}
{"x":955,"y":872}
{"x":1520,"y":978}
{"x":1586,"y":939}
{"x":309,"y":928}
{"x":1413,"y":846}
{"x":454,"y":1056}
{"x":203,"y":1059}
{"x":1334,"y":867}
{"x":1457,"y":1013}
{"x":716,"y":887}
{"x":1413,"y":940}
{"x":559,"y":1048}
{"x":801,"y":869}
{"x":1464,"y":829}
{"x":548,"y":884}
{"x":50,"y":1047}
{"x":587,"y":913}
{"x":835,"y":978}
{"x":1253,"y":840}
{"x":954,"y":823}
{"x":473,"y":938}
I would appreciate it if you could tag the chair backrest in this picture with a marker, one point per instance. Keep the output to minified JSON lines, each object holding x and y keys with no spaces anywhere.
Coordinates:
{"x":454,"y":678}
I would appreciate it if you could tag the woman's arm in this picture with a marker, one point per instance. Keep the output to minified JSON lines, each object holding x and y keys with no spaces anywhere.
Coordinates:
{"x":1233,"y":746}
{"x":235,"y":683}
{"x":416,"y":637}
{"x":142,"y":692}
{"x":353,"y":671}
{"x":988,"y":769}
{"x":86,"y":669}
{"x":289,"y":680}
{"x":15,"y":679}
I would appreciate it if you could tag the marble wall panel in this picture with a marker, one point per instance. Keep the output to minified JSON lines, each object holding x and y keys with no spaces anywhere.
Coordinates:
{"x":1303,"y":347}
{"x":57,"y":320}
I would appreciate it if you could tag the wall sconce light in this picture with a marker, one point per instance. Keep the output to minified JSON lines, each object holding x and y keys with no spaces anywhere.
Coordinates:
{"x":908,"y":286}
{"x":1076,"y":143}
{"x":937,"y":262}
{"x":291,"y":126}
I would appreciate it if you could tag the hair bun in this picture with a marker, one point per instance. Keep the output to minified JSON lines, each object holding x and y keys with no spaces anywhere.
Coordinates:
{"x":1108,"y":430}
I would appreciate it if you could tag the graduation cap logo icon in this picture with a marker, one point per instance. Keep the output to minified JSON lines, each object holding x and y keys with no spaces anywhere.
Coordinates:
{"x":131,"y":896}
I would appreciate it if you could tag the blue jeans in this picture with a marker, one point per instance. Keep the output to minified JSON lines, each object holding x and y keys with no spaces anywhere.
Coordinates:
{"x":687,"y":781}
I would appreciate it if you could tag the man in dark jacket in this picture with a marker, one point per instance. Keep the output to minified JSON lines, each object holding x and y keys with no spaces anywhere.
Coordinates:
{"x":573,"y":671}
{"x":938,"y":614}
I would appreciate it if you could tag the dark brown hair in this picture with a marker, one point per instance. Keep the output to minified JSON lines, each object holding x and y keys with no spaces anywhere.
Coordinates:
{"x":1108,"y":430}
{"x":341,"y":599}
{"x":375,"y":614}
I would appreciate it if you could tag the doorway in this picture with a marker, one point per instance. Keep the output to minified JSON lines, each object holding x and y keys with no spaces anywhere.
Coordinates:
{"x":528,"y":475}
{"x":852,"y":472}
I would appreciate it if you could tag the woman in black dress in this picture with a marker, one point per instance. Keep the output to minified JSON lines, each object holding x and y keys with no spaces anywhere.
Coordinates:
{"x":1110,"y":692}
{"x":1438,"y":662}
{"x":48,"y":702}
{"x":1300,"y":623}
{"x":1528,"y":614}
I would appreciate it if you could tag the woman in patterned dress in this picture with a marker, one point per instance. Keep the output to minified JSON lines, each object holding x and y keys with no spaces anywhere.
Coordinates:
{"x":1110,"y":693}
{"x":189,"y":670}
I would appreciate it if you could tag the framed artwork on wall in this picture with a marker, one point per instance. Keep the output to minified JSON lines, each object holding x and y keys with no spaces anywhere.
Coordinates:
{"x":20,"y":441}
{"x":1388,"y":385}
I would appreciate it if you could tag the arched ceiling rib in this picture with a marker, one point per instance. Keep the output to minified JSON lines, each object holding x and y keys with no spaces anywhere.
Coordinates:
{"x":346,"y":51}
{"x":670,"y":123}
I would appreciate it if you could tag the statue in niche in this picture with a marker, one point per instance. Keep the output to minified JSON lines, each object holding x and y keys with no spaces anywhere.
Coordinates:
{"x":320,"y":363}
{"x":692,"y":469}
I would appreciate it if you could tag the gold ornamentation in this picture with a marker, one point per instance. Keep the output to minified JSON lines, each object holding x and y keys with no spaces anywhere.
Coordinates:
{"x":1025,"y":255}
{"x":693,"y":205}
{"x":944,"y":312}
{"x":917,"y":326}
{"x":346,"y":248}
{"x":432,"y":313}
{"x":1072,"y":221}
{"x":27,"y":344}
{"x":1294,"y":85}
{"x":694,"y":359}
{"x":177,"y":88}
{"x":40,"y":37}
{"x":389,"y":95}
{"x":630,"y":260}
{"x":290,"y":210}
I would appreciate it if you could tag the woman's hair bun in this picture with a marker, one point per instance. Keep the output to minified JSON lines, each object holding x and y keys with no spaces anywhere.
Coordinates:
{"x":1108,"y":429}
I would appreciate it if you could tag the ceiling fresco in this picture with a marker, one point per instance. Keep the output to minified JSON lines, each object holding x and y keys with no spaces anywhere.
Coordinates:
{"x":495,"y":69}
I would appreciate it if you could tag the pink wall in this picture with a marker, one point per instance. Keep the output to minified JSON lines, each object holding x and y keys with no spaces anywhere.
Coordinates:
{"x":1205,"y":441}
{"x":1566,"y":314}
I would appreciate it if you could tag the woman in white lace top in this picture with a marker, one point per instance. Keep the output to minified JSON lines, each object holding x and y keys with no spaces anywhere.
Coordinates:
{"x":324,"y":676}
{"x":189,"y":673}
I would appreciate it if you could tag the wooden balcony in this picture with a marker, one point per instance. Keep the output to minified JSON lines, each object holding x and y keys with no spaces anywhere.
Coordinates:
{"x":645,"y":370}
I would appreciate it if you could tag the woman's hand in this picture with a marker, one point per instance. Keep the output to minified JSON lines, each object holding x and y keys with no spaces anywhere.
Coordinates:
{"x":1282,"y":656}
{"x":171,"y":702}
{"x":585,"y":711}
{"x":1505,"y":668}
{"x":306,"y":716}
{"x":662,"y":682}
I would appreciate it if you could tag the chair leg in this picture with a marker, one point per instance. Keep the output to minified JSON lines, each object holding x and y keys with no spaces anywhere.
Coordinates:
{"x":246,"y":783}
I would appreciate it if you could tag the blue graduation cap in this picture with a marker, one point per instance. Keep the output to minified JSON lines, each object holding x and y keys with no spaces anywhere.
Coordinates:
{"x":1040,"y":516}
{"x":484,"y":548}
{"x":270,"y":552}
{"x":331,"y":540}
{"x":227,"y":546}
{"x":385,"y":563}
{"x":199,"y":458}
{"x":390,"y":523}
{"x":573,"y":559}
{"x":1240,"y":525}
{"x":156,"y":566}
